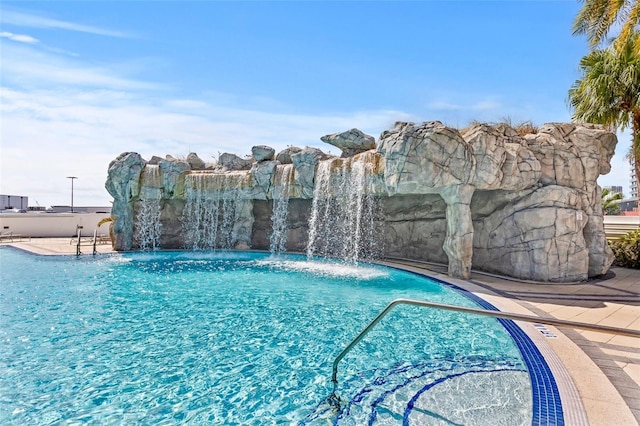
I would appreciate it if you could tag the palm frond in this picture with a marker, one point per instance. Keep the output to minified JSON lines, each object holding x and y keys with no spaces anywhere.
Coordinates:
{"x":596,"y":18}
{"x":609,"y":90}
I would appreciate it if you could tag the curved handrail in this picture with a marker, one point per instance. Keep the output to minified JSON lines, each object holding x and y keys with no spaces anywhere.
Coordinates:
{"x":477,"y":311}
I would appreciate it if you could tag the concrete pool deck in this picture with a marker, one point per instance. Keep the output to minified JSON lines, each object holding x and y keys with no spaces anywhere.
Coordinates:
{"x":604,"y":369}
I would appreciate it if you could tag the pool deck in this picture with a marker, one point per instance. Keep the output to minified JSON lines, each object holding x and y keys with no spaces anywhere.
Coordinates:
{"x":604,"y":369}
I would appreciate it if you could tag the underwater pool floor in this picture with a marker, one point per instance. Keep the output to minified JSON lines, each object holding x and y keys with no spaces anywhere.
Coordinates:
{"x":598,"y":374}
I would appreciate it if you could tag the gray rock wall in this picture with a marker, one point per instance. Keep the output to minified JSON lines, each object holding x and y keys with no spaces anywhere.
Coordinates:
{"x":297,"y":224}
{"x":488,"y":198}
{"x":415,"y":227}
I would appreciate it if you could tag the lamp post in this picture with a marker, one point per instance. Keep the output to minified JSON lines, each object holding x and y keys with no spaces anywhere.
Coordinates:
{"x":72,"y":179}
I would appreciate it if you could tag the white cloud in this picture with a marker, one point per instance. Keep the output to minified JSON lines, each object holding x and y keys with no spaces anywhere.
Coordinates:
{"x":63,"y":116}
{"x":50,"y":134}
{"x":22,"y":38}
{"x":465,"y":103}
{"x":34,"y":21}
{"x":486,"y":105}
{"x":26,"y":66}
{"x":444,"y":106}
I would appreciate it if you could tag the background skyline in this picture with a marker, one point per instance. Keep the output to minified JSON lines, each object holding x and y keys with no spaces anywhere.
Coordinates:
{"x":82,"y":82}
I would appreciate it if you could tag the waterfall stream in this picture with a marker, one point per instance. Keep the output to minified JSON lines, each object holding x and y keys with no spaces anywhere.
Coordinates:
{"x":148,"y":227}
{"x":212,"y":204}
{"x":343,"y":212}
{"x":280,"y":214}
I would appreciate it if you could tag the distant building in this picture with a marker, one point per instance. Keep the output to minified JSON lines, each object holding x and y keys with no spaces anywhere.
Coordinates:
{"x":615,"y":189}
{"x":634,"y":181}
{"x":628,"y":205}
{"x":80,"y":209}
{"x":13,"y":202}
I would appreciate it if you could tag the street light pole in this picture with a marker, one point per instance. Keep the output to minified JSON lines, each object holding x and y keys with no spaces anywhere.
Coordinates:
{"x":72,"y":179}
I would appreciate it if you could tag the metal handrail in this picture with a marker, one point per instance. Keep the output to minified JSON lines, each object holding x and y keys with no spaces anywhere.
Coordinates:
{"x":78,"y":243}
{"x":95,"y":239}
{"x":477,"y":311}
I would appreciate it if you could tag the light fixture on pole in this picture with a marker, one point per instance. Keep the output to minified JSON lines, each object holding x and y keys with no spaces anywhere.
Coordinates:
{"x":72,"y":179}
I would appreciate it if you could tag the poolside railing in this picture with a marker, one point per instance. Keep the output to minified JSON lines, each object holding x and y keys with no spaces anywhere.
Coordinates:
{"x":78,"y":252}
{"x":475,"y":311}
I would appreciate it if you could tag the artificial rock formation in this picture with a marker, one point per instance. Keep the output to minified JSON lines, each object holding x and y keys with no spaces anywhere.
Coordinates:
{"x":488,"y":198}
{"x":351,"y":142}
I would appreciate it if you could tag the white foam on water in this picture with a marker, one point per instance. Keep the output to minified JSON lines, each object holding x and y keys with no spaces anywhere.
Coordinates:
{"x":325,"y":268}
{"x":142,"y":257}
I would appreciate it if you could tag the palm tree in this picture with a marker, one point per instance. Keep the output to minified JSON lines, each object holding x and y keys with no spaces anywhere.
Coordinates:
{"x":609,"y":204}
{"x":609,"y":91}
{"x":596,"y":18}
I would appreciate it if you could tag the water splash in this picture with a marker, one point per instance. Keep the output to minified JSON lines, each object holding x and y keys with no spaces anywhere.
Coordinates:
{"x":343,"y":212}
{"x":280,"y":215}
{"x":147,"y":224}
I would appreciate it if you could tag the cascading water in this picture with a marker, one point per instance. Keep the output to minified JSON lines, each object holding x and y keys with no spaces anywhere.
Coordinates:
{"x":362,"y":208}
{"x":212,"y":206}
{"x":148,"y":227}
{"x":200,"y":216}
{"x":280,"y":214}
{"x":230,"y":202}
{"x":343,"y":212}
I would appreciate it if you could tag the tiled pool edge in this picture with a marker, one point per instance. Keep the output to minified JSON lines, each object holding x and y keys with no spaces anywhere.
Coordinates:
{"x":582,"y":366}
{"x":572,"y":407}
{"x":562,"y":405}
{"x":547,"y":404}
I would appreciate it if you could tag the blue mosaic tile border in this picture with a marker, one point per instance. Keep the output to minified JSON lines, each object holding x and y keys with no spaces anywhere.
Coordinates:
{"x":547,"y":406}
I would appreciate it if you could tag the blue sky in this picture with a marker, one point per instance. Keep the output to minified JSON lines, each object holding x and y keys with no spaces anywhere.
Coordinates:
{"x":83,"y":81}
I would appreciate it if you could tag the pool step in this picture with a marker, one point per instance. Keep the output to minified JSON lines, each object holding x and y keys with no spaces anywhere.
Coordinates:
{"x":437,"y":393}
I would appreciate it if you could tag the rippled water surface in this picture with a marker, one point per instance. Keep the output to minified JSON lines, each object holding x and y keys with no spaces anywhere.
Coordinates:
{"x":235,"y":338}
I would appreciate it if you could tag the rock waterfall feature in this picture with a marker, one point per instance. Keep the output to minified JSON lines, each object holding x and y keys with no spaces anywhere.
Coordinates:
{"x":488,"y":198}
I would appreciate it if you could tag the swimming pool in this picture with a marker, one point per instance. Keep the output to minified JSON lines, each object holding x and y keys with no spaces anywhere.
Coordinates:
{"x":245,"y":338}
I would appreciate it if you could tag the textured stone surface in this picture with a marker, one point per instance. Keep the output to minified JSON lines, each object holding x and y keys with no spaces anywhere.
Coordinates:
{"x":490,"y":153}
{"x":171,"y":220}
{"x":305,"y":163}
{"x":574,"y":156}
{"x":195,"y":162}
{"x":297,"y":224}
{"x":230,"y":162}
{"x":263,"y":153}
{"x":123,"y":183}
{"x":520,"y":170}
{"x":422,"y":158}
{"x":351,"y":142}
{"x":172,"y":172}
{"x":154,"y":160}
{"x":489,"y":198}
{"x":502,"y":159}
{"x":415,"y":227}
{"x":458,"y":243}
{"x":263,"y":174}
{"x":284,"y":156}
{"x":538,"y":236}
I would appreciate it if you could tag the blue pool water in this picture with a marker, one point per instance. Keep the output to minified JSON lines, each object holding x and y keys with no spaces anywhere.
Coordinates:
{"x":243,"y":338}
